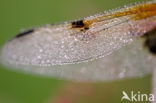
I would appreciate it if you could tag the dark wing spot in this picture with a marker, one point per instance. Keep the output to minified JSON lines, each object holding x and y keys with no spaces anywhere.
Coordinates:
{"x":78,"y":24}
{"x":86,"y":28}
{"x":24,"y":33}
{"x":150,"y":40}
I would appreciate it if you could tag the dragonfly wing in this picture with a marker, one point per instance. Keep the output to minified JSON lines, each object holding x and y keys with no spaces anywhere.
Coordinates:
{"x":93,"y":54}
{"x":58,"y":45}
{"x":129,"y":61}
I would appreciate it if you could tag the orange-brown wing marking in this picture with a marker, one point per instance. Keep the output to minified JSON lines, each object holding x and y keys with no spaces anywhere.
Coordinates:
{"x":140,"y":12}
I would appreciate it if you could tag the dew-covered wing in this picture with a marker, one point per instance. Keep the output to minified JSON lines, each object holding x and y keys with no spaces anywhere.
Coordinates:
{"x":96,"y":52}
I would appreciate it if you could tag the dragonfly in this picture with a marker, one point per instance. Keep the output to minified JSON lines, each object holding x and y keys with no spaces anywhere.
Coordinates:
{"x":114,"y":44}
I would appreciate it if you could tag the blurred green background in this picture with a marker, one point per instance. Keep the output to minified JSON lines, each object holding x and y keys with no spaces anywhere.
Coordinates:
{"x":15,"y":87}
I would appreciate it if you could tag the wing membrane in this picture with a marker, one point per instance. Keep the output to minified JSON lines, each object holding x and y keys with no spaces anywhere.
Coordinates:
{"x":107,"y":50}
